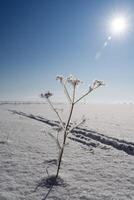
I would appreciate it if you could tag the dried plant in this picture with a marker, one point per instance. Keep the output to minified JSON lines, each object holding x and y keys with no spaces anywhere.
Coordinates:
{"x":68,"y":127}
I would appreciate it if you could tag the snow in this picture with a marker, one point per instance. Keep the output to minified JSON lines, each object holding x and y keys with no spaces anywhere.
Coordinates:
{"x":89,"y":172}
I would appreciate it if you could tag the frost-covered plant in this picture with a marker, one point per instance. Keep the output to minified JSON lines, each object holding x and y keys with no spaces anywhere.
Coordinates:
{"x":67,"y":127}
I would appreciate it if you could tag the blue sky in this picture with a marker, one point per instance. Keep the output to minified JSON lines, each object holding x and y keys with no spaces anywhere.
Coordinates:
{"x":40,"y":39}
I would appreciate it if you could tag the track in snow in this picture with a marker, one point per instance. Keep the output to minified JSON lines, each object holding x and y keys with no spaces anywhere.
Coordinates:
{"x":83,"y":136}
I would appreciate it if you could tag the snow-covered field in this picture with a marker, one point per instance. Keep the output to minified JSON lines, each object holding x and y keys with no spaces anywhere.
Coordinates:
{"x":98,"y":162}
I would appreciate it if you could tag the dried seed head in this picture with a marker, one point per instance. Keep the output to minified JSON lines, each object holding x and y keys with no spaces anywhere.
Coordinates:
{"x":59,"y":78}
{"x":73,"y":81}
{"x":96,"y":84}
{"x":46,"y":95}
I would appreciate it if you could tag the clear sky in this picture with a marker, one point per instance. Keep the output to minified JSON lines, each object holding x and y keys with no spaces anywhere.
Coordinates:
{"x":42,"y":38}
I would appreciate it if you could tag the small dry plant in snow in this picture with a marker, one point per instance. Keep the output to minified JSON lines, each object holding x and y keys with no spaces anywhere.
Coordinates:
{"x":67,"y":127}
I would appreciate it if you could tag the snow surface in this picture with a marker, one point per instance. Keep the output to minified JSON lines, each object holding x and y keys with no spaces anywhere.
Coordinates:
{"x":90,"y":172}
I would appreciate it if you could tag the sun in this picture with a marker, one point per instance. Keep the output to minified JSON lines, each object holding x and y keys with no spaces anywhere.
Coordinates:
{"x":118,"y":25}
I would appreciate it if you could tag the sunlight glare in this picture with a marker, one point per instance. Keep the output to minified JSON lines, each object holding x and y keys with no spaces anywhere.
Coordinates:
{"x":118,"y":25}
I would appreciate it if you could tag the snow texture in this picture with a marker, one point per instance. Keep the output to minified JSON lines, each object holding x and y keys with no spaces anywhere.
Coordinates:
{"x":97,"y":164}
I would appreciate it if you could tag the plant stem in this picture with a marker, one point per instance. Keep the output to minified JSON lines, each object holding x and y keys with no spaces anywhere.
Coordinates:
{"x":65,"y":134}
{"x":82,"y":97}
{"x":51,"y":105}
{"x":66,"y":92}
{"x":87,"y":93}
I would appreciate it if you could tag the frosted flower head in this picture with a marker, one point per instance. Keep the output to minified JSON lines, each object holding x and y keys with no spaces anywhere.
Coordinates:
{"x":46,"y":95}
{"x":73,"y":81}
{"x":96,"y":84}
{"x":59,"y":78}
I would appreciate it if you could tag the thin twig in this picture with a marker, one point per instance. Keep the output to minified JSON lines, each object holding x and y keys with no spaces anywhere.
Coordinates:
{"x":90,"y":90}
{"x":82,"y":96}
{"x":72,"y":128}
{"x":74,"y":88}
{"x":58,"y":143}
{"x":47,"y":171}
{"x":51,"y":105}
{"x":66,"y":91}
{"x":56,"y":139}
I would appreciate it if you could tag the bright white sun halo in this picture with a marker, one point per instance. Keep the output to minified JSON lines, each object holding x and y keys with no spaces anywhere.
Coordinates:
{"x":118,"y":25}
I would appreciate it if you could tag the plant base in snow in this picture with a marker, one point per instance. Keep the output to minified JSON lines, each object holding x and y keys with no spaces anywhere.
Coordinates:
{"x":50,"y":181}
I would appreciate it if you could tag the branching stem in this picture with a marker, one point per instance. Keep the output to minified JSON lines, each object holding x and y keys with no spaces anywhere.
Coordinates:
{"x":72,"y":128}
{"x":87,"y":93}
{"x":83,"y":96}
{"x":66,"y":127}
{"x":65,"y":133}
{"x":66,"y":91}
{"x":51,"y":105}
